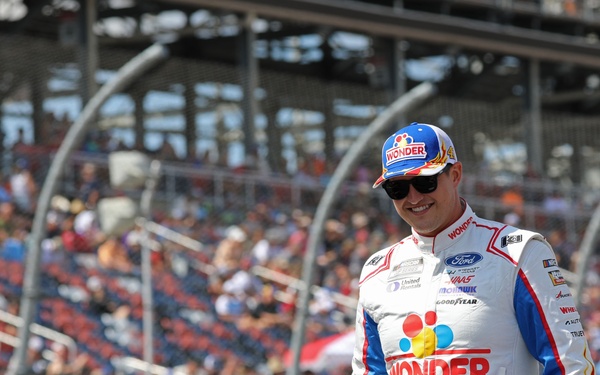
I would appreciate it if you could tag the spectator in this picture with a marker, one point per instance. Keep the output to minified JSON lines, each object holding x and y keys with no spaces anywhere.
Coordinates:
{"x":14,"y":246}
{"x":23,"y":187}
{"x":512,"y":218}
{"x":99,"y":303}
{"x":230,"y":249}
{"x":5,"y":193}
{"x":133,"y":245}
{"x":565,"y":250}
{"x":52,"y":250}
{"x":10,"y":304}
{"x":266,"y":313}
{"x":7,"y":216}
{"x":90,"y":186}
{"x":212,"y":365}
{"x":344,"y":282}
{"x":321,"y":322}
{"x":276,"y":366}
{"x":360,"y":255}
{"x":555,"y":203}
{"x":134,"y":242}
{"x":298,"y":239}
{"x":62,"y":365}
{"x":35,"y":361}
{"x":556,"y":206}
{"x":512,"y":198}
{"x":29,"y":152}
{"x":360,"y":227}
{"x":112,"y":255}
{"x":269,"y":246}
{"x":592,"y":331}
{"x":53,"y":224}
{"x":166,"y":150}
{"x":230,"y":305}
{"x":72,"y":241}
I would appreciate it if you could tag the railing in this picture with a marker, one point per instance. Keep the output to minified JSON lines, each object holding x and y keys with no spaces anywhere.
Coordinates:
{"x":38,"y":330}
{"x":122,"y":365}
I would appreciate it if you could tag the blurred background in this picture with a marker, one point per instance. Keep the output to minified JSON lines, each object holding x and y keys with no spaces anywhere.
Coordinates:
{"x":249,"y":116}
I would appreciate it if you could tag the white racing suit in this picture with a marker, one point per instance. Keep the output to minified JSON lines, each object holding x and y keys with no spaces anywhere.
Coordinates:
{"x":479,"y":298}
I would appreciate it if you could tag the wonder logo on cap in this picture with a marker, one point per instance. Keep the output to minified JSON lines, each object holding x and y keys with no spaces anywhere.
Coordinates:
{"x":404,"y":148}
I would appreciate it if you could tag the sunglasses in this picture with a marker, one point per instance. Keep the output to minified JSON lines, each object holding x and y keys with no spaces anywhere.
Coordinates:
{"x":398,"y":189}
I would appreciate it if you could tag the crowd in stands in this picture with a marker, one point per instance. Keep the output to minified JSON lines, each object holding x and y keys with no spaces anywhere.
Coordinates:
{"x":212,"y":313}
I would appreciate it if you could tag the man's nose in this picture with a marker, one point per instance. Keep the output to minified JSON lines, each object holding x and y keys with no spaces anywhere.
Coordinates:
{"x":413,"y":195}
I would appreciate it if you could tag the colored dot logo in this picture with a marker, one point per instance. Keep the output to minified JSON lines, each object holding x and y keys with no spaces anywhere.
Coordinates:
{"x":402,"y":140}
{"x":423,"y":336}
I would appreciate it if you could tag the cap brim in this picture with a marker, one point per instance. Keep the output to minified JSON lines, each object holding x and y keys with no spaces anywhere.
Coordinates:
{"x":426,"y":170}
{"x":378,"y":182}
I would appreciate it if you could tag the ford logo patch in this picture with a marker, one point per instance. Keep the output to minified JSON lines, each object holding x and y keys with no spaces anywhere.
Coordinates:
{"x":463,"y":260}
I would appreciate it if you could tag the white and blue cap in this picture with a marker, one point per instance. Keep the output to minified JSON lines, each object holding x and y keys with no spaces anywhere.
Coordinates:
{"x":416,"y":150}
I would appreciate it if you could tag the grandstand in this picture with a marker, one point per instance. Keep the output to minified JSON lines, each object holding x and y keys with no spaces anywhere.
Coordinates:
{"x":249,"y":115}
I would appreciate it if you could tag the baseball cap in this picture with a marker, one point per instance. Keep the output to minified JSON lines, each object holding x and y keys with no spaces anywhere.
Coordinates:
{"x":416,"y":150}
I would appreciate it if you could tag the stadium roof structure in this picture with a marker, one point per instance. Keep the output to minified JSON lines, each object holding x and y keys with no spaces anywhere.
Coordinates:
{"x":565,"y":40}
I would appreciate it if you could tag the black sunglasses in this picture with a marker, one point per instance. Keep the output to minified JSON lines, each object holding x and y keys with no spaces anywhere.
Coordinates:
{"x":398,"y":189}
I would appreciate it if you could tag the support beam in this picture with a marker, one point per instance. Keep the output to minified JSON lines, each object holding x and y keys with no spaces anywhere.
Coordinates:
{"x":420,"y":26}
{"x":533,"y":118}
{"x":250,"y":74}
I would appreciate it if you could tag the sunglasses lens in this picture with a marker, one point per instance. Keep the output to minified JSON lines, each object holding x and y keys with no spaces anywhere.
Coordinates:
{"x":425,"y":185}
{"x":398,"y":189}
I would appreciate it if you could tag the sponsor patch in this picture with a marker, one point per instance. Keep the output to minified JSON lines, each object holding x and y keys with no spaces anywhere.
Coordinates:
{"x":507,"y":240}
{"x":407,"y":268}
{"x":458,"y":301}
{"x":557,"y":278}
{"x":403,"y":284}
{"x":470,"y":289}
{"x":577,"y":334}
{"x":460,"y":279}
{"x":561,"y":295}
{"x":375,"y":260}
{"x":463,"y":260}
{"x":567,"y":309}
{"x":464,"y":271}
{"x":550,"y":263}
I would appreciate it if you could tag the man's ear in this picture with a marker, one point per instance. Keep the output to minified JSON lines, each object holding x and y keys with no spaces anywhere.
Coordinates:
{"x":456,"y":173}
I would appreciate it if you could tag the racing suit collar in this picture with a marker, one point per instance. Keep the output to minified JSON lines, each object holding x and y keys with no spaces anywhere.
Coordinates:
{"x":448,"y":236}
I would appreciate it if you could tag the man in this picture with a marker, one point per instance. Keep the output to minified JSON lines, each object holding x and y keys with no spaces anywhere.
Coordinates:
{"x":461,"y":295}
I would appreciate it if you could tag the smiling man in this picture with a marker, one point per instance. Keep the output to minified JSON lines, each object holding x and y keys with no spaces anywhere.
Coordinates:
{"x":461,"y":294}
